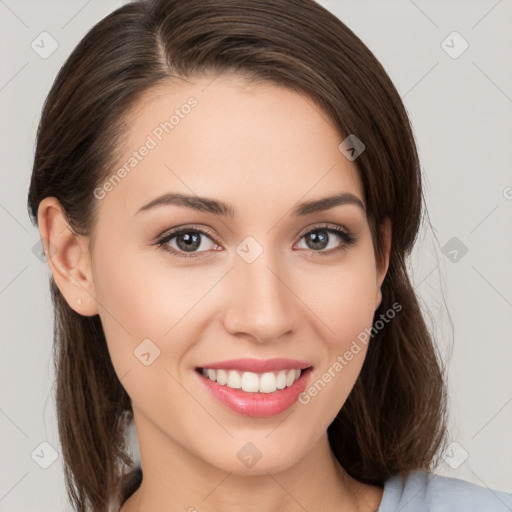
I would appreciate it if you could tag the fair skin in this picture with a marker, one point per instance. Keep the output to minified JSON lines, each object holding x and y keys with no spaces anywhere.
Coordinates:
{"x":262,"y":149}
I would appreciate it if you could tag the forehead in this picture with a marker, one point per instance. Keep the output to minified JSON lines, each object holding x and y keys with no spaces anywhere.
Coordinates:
{"x":227,"y":137}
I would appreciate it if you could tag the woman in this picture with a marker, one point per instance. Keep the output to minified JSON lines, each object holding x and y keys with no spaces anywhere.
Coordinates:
{"x":227,"y":192}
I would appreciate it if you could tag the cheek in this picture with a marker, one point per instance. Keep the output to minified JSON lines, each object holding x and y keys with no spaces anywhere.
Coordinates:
{"x":138,"y":306}
{"x":141,"y":297}
{"x":127,"y":302}
{"x":133,"y":294}
{"x":345,"y":301}
{"x":343,"y":298}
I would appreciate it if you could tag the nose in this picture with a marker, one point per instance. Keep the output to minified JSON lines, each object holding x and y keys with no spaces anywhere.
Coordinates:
{"x":260,"y":304}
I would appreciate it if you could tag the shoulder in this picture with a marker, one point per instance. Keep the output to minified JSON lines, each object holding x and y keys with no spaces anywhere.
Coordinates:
{"x":420,"y":491}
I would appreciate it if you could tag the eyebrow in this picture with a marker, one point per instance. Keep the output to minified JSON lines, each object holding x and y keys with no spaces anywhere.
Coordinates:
{"x":207,"y":205}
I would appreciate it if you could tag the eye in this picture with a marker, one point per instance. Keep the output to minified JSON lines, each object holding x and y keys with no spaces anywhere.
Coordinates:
{"x":186,"y":242}
{"x":322,"y":240}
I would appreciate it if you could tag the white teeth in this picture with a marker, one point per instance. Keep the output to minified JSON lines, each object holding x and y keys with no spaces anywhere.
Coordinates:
{"x":267,"y":383}
{"x":251,"y":382}
{"x":222,"y":377}
{"x":281,"y":380}
{"x":234,"y":379}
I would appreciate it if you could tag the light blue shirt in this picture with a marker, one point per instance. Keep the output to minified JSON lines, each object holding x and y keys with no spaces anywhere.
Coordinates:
{"x":420,"y":491}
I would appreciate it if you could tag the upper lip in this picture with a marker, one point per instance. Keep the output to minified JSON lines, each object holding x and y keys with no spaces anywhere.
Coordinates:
{"x":258,"y":365}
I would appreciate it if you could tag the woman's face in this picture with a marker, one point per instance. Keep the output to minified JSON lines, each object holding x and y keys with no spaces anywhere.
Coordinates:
{"x":253,"y":275}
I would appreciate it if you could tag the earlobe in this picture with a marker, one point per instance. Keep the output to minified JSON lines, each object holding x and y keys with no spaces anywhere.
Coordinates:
{"x":68,"y":257}
{"x":383,"y":264}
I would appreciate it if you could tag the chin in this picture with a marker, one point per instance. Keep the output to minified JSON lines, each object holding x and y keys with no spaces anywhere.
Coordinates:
{"x":252,"y":459}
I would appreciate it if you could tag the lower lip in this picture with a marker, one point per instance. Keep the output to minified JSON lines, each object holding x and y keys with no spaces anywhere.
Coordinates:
{"x":260,"y":405}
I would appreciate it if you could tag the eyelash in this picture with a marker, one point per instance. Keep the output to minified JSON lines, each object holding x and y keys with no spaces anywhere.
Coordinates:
{"x":348,"y":240}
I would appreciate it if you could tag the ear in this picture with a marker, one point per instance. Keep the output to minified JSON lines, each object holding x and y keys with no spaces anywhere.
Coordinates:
{"x":383,"y":264}
{"x":68,"y":257}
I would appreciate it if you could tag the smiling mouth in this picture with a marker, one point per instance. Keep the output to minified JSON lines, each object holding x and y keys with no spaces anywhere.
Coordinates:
{"x":251,"y":382}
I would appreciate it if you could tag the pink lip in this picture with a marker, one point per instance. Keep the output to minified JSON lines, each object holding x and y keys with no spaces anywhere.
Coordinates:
{"x":257,"y":404}
{"x":258,"y":365}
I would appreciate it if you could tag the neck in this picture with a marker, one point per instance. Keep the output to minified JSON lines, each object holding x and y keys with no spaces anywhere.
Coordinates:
{"x":176,"y":480}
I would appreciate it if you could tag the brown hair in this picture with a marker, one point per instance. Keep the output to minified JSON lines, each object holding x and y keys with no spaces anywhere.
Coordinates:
{"x":394,"y":420}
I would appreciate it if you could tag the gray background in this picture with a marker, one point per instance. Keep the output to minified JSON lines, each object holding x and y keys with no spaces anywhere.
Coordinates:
{"x":461,"y":110}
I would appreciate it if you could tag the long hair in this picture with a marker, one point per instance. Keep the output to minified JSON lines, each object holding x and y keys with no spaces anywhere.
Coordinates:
{"x":394,"y":419}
